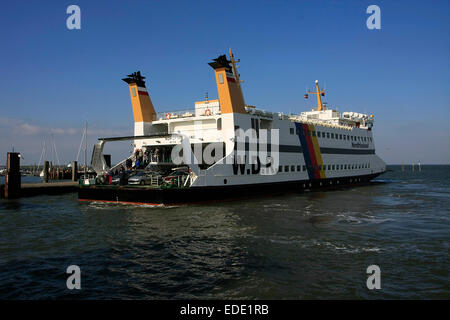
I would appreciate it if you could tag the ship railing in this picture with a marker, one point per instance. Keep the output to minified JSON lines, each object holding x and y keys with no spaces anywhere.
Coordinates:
{"x":320,"y":123}
{"x":207,"y":111}
{"x":204,"y":131}
{"x":184,"y":113}
{"x":187,"y":113}
{"x":122,"y":163}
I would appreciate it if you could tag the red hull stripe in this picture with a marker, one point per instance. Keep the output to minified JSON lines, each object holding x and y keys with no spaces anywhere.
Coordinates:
{"x":143,"y":92}
{"x":127,"y":202}
{"x":165,"y":204}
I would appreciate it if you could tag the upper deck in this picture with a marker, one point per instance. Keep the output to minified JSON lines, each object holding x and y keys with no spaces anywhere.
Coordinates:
{"x":206,"y":116}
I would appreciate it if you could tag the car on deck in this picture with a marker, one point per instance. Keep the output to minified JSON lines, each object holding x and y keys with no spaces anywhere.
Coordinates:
{"x":176,"y":175}
{"x":141,"y":178}
{"x":122,"y":177}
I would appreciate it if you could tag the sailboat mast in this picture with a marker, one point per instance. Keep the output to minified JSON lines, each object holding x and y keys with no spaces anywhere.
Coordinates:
{"x":85,"y":149}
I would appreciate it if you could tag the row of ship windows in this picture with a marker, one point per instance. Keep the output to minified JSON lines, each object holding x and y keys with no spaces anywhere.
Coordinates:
{"x":326,"y":167}
{"x":330,"y":135}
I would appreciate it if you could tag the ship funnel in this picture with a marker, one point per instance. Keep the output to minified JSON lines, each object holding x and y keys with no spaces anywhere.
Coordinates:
{"x":231,"y":98}
{"x":143,"y":109}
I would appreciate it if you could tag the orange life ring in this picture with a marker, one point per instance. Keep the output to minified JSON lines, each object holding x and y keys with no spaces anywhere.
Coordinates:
{"x":207,"y":112}
{"x":168,"y":115}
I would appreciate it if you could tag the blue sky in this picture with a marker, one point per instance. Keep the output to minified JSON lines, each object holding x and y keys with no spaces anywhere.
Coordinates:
{"x":53,"y":79}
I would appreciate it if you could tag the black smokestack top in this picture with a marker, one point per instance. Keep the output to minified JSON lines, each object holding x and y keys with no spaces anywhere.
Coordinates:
{"x":135,"y":77}
{"x":221,"y":62}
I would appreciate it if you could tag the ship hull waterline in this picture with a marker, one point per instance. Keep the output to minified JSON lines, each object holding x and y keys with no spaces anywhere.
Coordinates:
{"x":176,"y":196}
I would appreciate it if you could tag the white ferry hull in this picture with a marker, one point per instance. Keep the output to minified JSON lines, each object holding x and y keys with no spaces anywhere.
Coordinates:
{"x":193,"y":195}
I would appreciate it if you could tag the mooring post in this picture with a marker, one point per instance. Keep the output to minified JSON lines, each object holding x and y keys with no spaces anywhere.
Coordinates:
{"x":12,"y":177}
{"x":74,"y":170}
{"x":46,"y":169}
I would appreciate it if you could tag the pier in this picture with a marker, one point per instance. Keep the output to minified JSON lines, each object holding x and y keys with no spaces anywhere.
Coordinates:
{"x":36,"y":189}
{"x":42,"y":188}
{"x":13,"y":188}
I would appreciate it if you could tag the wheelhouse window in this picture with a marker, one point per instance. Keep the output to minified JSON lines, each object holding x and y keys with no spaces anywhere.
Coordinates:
{"x":219,"y":124}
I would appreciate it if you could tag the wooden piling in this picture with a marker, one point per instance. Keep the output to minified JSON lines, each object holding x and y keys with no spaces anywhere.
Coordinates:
{"x":74,"y":170}
{"x":46,"y":171}
{"x":12,"y":177}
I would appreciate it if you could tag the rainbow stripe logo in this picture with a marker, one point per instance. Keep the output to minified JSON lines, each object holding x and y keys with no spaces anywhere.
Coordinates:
{"x":311,"y":150}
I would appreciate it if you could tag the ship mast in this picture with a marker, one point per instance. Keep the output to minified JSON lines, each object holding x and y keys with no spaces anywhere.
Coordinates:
{"x":319,"y":93}
{"x":236,"y":74}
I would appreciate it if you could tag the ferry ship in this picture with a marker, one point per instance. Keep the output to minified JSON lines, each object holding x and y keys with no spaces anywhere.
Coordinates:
{"x":225,"y":148}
